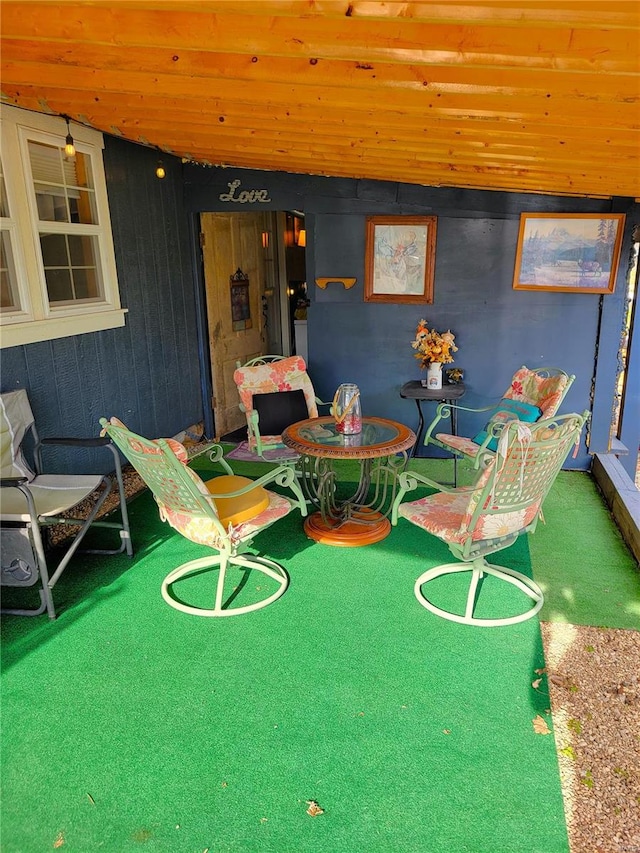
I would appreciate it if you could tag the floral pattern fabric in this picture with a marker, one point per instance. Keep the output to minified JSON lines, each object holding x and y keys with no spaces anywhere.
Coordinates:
{"x":545,"y":393}
{"x":459,"y":442}
{"x":288,"y":374}
{"x":203,"y":530}
{"x":447,"y":515}
{"x":192,"y":515}
{"x":526,"y":387}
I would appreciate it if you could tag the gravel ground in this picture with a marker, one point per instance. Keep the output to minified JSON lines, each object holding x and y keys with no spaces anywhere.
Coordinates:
{"x":592,"y":679}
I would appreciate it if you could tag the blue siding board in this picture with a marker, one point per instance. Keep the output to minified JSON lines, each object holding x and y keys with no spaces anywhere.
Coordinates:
{"x":611,"y":321}
{"x":497,"y":328}
{"x":132,"y":372}
{"x":153,"y":373}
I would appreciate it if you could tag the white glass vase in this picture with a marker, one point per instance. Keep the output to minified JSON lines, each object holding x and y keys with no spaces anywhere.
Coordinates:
{"x":434,"y":375}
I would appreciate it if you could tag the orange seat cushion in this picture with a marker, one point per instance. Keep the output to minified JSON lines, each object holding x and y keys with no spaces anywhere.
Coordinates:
{"x":239,"y":509}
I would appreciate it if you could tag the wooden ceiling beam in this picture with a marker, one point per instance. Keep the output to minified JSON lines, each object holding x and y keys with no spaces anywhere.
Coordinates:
{"x":437,"y":79}
{"x":522,"y":13}
{"x":353,"y":38}
{"x":419,"y":173}
{"x":112,"y":108}
{"x":517,"y":150}
{"x":392,"y":158}
{"x":611,"y":114}
{"x":387,"y":150}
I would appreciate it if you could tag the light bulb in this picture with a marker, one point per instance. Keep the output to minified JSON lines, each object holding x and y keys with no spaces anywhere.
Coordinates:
{"x":160,"y":172}
{"x":69,"y":147}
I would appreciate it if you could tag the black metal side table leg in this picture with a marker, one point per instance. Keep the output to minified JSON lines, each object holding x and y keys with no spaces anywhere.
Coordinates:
{"x":454,"y":431}
{"x":419,"y":431}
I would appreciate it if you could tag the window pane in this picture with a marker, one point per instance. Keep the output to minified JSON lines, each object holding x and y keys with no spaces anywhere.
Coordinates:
{"x":52,"y":204}
{"x":9,"y":299}
{"x":71,"y":267}
{"x":63,"y":185}
{"x":82,"y":207}
{"x":82,"y":251}
{"x":46,"y":163}
{"x":54,"y":250}
{"x":78,"y":171}
{"x":59,"y":285}
{"x":85,"y":283}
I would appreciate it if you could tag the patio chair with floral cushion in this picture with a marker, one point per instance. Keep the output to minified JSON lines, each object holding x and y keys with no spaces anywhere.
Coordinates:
{"x":504,"y":503}
{"x":532,"y":395}
{"x":275,"y":392}
{"x":225,"y":514}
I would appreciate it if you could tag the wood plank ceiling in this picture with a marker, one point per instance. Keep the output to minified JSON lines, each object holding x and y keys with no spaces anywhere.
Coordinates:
{"x":533,"y":96}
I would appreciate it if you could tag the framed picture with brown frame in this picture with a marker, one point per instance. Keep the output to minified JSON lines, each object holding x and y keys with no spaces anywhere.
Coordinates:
{"x":577,"y":252}
{"x":400,"y":259}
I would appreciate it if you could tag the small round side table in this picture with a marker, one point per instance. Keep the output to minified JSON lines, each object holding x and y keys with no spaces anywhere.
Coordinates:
{"x":415,"y":390}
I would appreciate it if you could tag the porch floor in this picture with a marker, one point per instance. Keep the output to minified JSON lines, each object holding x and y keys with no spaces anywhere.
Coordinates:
{"x":150,"y":738}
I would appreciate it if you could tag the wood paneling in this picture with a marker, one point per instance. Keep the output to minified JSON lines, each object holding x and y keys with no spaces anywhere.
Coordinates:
{"x":146,"y":373}
{"x":536,"y":96}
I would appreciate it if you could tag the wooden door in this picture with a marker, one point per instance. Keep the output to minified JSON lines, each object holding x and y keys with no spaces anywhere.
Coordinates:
{"x":232,"y":242}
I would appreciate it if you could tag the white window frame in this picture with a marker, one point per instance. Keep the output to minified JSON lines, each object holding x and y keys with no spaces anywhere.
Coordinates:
{"x":38,"y":319}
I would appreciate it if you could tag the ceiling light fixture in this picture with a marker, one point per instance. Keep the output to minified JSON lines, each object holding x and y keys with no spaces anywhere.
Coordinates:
{"x":160,"y":172}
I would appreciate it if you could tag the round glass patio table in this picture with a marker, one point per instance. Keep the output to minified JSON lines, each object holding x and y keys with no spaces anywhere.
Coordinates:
{"x":380,"y":450}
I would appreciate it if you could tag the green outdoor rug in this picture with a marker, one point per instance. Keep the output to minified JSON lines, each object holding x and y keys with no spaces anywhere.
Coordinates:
{"x":128,"y":725}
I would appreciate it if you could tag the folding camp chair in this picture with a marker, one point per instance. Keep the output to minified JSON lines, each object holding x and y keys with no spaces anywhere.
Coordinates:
{"x":32,"y":501}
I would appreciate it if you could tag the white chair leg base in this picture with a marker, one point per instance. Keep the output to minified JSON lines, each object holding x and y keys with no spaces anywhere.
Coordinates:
{"x":477,"y":569}
{"x":261,"y":564}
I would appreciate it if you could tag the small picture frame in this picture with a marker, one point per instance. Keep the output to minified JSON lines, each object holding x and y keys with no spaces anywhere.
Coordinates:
{"x":400,"y":259}
{"x":573,"y":252}
{"x":240,"y":305}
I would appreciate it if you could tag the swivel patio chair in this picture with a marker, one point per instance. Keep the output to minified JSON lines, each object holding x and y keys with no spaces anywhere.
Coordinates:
{"x":533,"y":394}
{"x":275,"y":392}
{"x":32,"y":501}
{"x":504,"y":503}
{"x":224,"y":514}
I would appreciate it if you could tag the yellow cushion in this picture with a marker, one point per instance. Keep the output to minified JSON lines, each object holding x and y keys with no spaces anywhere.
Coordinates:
{"x":242,"y":508}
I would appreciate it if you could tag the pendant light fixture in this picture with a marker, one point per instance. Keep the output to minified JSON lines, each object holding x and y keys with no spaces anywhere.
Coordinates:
{"x":69,"y":147}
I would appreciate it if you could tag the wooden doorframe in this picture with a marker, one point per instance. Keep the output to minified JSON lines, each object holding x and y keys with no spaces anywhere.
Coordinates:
{"x":281,"y":266}
{"x":202,"y":323}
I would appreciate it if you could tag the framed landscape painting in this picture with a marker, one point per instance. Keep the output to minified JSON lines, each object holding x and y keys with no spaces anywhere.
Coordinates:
{"x":400,"y":259}
{"x":576,"y":252}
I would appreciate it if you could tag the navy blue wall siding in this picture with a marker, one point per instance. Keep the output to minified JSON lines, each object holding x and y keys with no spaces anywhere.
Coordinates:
{"x":497,"y":329}
{"x":147,"y":372}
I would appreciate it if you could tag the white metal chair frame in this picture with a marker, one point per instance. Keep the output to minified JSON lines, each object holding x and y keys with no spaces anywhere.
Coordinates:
{"x":253,"y":418}
{"x":513,"y":481}
{"x":475,"y":451}
{"x":180,"y":493}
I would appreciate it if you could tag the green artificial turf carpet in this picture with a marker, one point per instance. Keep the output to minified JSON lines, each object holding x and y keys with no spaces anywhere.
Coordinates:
{"x":584,"y":568}
{"x":127,"y":725}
